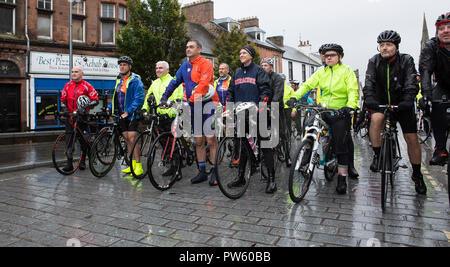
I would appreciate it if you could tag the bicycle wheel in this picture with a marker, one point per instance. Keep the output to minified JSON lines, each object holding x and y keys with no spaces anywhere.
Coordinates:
{"x":331,"y":164}
{"x":424,"y":130}
{"x":301,"y":173}
{"x":164,"y":162}
{"x":103,"y":154}
{"x":64,"y":147}
{"x":143,"y":143}
{"x":232,"y":157}
{"x":386,"y":171}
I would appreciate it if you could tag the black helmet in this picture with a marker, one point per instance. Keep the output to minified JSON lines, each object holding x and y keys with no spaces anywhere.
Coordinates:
{"x":389,"y":36}
{"x":444,"y":18}
{"x":332,"y":47}
{"x":125,"y":59}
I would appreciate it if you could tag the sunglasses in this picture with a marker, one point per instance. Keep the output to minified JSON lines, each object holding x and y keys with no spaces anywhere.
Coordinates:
{"x":330,"y":55}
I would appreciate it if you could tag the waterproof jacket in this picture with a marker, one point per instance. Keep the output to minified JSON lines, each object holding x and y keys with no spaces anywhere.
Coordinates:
{"x":197,"y":76}
{"x":391,"y":81}
{"x":157,"y":89}
{"x":73,"y":90}
{"x":250,"y":84}
{"x":222,"y":85}
{"x":338,"y":85}
{"x":134,"y":96}
{"x":277,"y":86}
{"x":288,"y":94}
{"x":435,"y":59}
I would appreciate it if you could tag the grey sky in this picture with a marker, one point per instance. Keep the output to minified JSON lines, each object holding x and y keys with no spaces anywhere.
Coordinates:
{"x":355,"y":24}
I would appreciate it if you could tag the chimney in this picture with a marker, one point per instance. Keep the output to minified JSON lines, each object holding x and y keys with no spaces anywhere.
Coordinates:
{"x":200,"y":12}
{"x":305,"y":47}
{"x":277,"y":40}
{"x":249,"y":22}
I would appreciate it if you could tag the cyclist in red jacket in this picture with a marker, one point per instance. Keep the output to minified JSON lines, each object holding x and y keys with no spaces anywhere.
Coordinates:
{"x":69,"y":102}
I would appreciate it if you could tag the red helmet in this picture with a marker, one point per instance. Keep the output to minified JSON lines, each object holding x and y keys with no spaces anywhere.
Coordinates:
{"x":444,"y":18}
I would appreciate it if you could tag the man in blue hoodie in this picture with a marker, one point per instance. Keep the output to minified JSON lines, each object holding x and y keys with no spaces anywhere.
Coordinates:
{"x":251,"y":83}
{"x":127,"y":99}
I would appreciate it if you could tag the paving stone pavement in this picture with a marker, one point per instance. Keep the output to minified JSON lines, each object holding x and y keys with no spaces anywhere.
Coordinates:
{"x":40,"y":207}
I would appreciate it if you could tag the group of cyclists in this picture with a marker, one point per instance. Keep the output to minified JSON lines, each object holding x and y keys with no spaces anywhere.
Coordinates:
{"x":391,"y":79}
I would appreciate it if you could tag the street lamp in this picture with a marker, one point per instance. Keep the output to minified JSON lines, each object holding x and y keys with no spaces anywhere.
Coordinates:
{"x":72,"y":3}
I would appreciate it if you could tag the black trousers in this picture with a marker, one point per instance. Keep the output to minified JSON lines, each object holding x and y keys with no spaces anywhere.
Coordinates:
{"x":440,"y":123}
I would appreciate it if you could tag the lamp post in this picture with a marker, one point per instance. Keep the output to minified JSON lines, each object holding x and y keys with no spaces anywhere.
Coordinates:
{"x":72,"y":3}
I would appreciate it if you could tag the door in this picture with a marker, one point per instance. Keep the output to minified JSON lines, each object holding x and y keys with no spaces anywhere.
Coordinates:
{"x":9,"y":108}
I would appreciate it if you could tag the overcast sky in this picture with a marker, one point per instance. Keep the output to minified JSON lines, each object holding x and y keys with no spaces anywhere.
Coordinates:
{"x":355,"y":24}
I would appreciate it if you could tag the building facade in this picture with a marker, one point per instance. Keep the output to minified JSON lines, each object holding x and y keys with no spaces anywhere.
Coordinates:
{"x":34,"y":55}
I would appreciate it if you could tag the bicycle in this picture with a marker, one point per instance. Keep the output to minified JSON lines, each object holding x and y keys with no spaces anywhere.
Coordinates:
{"x":423,"y":127}
{"x":70,"y":147}
{"x":169,"y":153}
{"x":390,"y":154}
{"x":239,"y":154}
{"x":362,"y":125}
{"x":146,"y":139}
{"x":307,"y":156}
{"x":108,"y":147}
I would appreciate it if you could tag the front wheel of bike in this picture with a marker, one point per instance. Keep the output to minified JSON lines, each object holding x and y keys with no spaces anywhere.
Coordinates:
{"x":103,"y":154}
{"x":386,"y":171}
{"x":143,"y":144}
{"x":164,"y":162}
{"x":301,"y":173}
{"x":232,"y":159}
{"x":61,"y":149}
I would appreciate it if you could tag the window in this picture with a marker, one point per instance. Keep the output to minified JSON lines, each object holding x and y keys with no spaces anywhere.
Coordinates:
{"x":276,"y":62}
{"x":44,"y":26}
{"x":78,"y":8}
{"x":122,"y":13}
{"x":7,"y":18}
{"x":304,"y":72}
{"x":108,"y":30}
{"x":45,"y":4}
{"x":108,"y":11}
{"x":78,"y":30}
{"x":291,"y":71}
{"x":312,"y":70}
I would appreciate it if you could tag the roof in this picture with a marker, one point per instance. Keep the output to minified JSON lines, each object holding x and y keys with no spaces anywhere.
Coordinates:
{"x":253,"y":29}
{"x":198,"y":32}
{"x":292,"y":53}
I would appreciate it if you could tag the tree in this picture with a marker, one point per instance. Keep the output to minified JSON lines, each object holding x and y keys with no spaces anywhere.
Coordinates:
{"x":228,"y":46}
{"x":155,"y":32}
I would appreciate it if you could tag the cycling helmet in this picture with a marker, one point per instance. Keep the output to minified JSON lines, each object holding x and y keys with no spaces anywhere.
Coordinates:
{"x":267,"y":60}
{"x":125,"y":59}
{"x":389,"y":36}
{"x":444,"y":18}
{"x":321,"y":49}
{"x":332,"y":47}
{"x":83,"y":102}
{"x":283,"y":76}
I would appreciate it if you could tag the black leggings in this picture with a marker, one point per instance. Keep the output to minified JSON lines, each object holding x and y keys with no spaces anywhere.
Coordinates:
{"x":342,"y":141}
{"x":440,"y":124}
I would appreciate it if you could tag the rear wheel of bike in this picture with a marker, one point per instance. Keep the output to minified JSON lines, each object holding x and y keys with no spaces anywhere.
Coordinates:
{"x":103,"y":154}
{"x":233,"y":154}
{"x":144,"y":143}
{"x":164,"y":162}
{"x":61,"y":150}
{"x":386,"y":171}
{"x":424,"y":130}
{"x":300,"y":176}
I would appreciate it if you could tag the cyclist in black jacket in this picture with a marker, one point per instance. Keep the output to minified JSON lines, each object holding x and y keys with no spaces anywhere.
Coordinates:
{"x":391,"y":78}
{"x":277,"y":86}
{"x":435,"y":59}
{"x":250,"y":83}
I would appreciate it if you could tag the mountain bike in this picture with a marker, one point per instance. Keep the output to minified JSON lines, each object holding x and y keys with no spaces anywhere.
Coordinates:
{"x":308,"y":157}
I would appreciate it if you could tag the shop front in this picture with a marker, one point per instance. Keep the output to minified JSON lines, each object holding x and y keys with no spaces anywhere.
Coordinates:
{"x":49,"y":73}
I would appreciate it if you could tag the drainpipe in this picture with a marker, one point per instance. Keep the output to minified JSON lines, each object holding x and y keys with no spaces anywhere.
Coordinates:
{"x":27,"y":56}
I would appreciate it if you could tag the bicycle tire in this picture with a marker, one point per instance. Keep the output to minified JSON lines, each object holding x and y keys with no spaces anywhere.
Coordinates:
{"x":59,"y":155}
{"x":227,"y":171}
{"x":163,"y":168}
{"x":424,"y":131}
{"x":330,"y":170}
{"x":145,"y":141}
{"x":300,"y":169}
{"x":386,"y":171}
{"x":101,"y":158}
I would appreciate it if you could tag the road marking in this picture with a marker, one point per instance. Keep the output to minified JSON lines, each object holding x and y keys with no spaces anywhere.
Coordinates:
{"x":448,"y":235}
{"x":73,"y":243}
{"x":373,"y":242}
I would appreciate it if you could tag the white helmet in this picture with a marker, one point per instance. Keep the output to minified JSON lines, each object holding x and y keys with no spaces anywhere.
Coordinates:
{"x":83,"y":102}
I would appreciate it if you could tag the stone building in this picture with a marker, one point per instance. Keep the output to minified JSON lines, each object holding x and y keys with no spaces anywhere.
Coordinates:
{"x":34,"y":55}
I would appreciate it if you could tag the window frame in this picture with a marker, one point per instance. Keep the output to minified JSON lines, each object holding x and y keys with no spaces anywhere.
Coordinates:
{"x":114,"y":10}
{"x":125,"y":13}
{"x":11,"y":6}
{"x":114,"y":33}
{"x":43,"y":8}
{"x":51,"y":27}
{"x":84,"y":9}
{"x":83,"y":27}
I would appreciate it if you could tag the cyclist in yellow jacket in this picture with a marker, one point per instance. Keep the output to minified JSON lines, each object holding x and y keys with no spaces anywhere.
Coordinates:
{"x":339,"y":91}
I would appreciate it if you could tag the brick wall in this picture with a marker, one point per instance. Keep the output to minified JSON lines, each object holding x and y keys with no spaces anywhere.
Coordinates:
{"x":199,"y":12}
